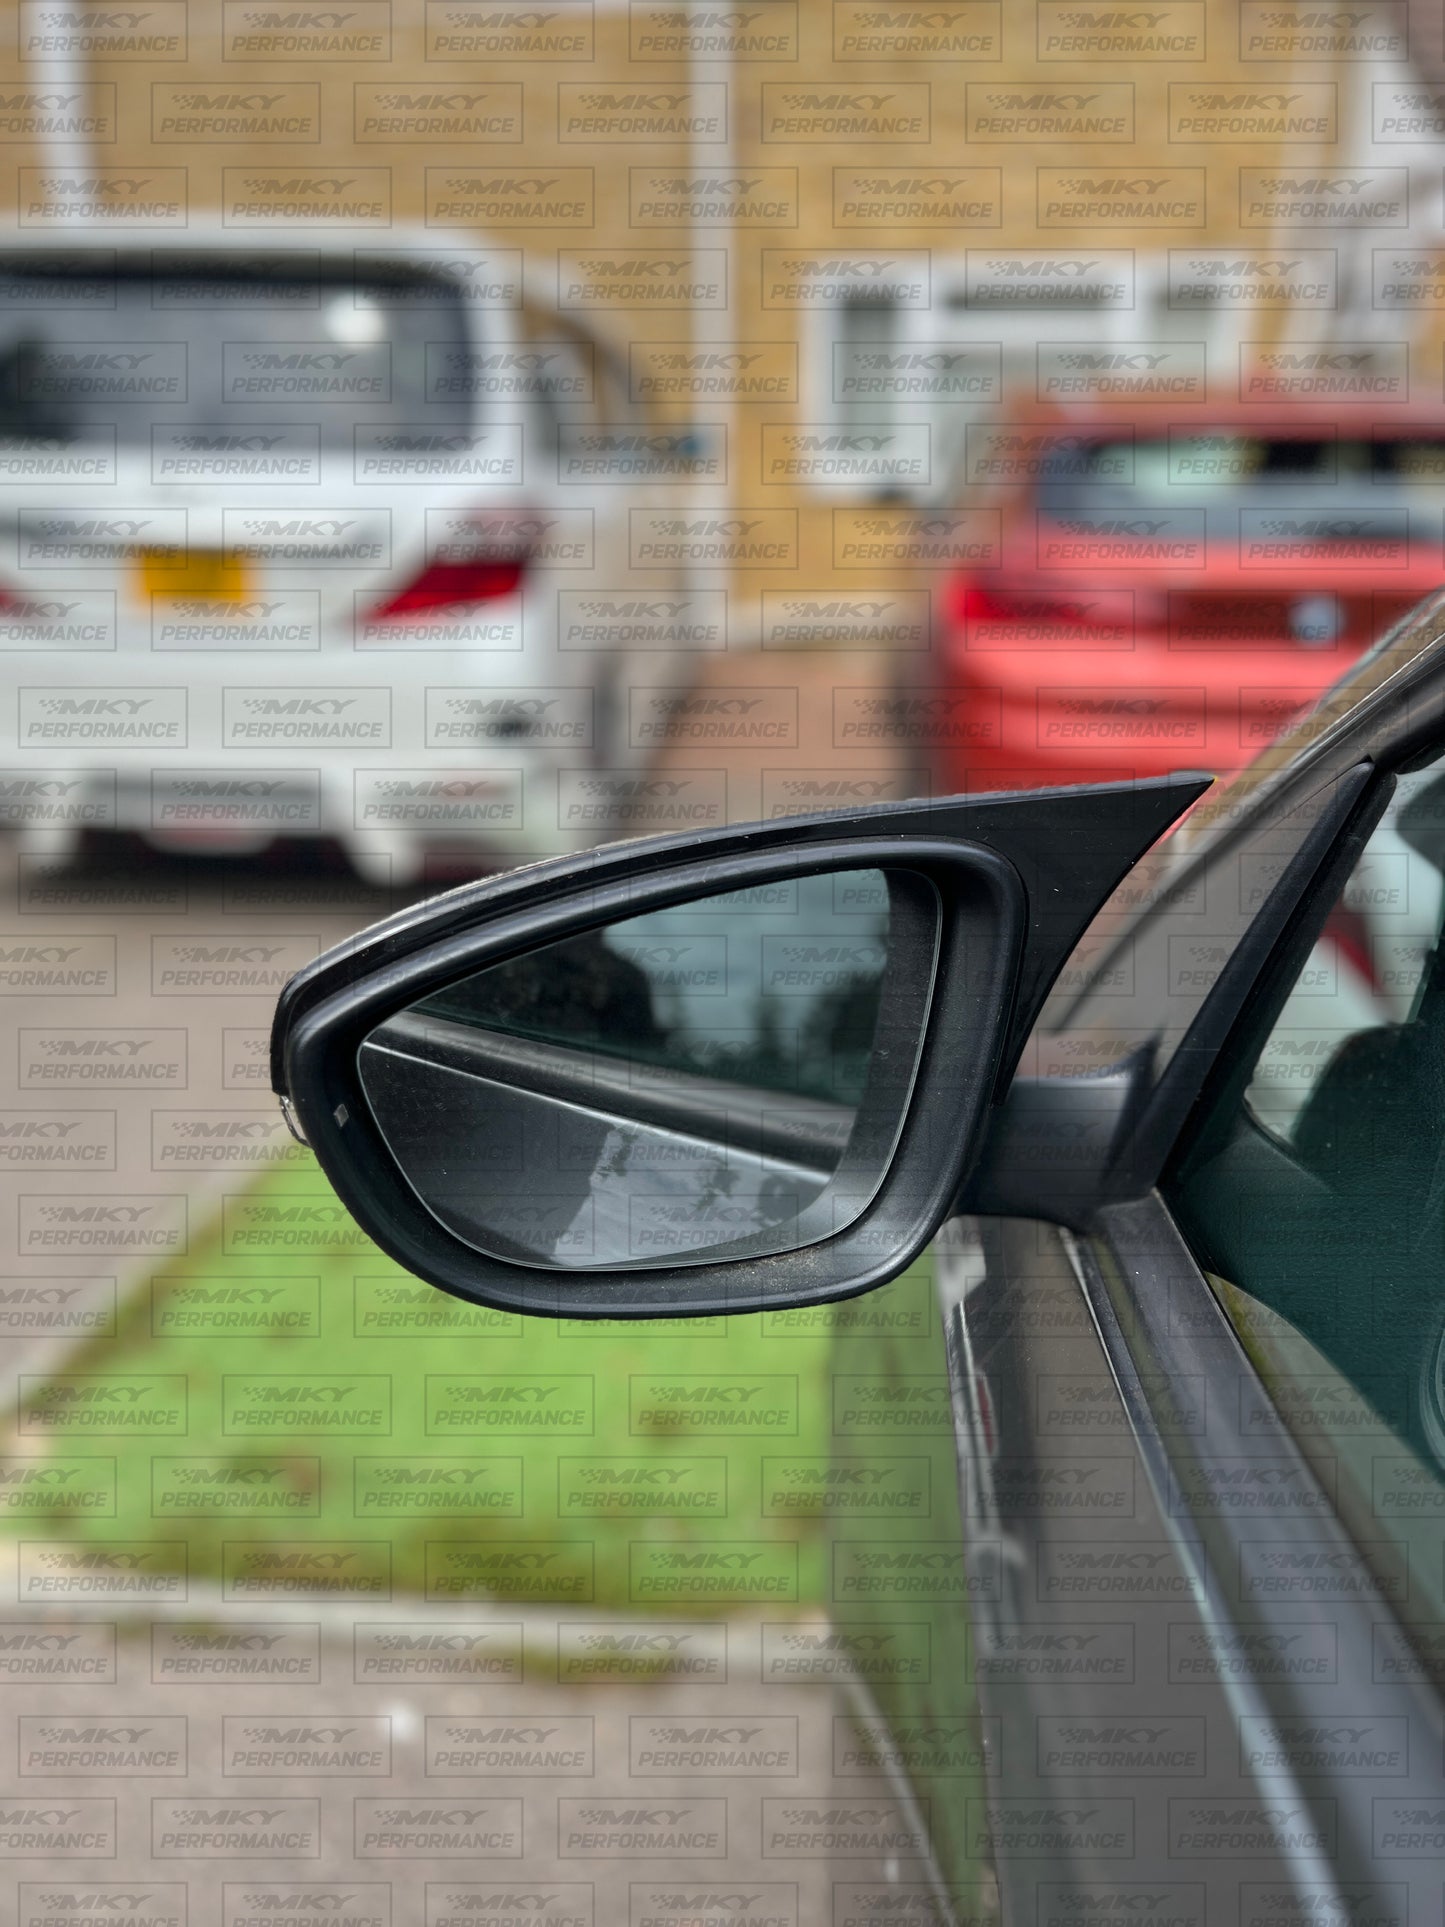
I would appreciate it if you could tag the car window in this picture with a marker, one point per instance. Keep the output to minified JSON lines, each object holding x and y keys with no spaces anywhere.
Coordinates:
{"x":1315,"y":1199}
{"x":1365,"y":973}
{"x":193,"y":348}
{"x":1381,"y":482}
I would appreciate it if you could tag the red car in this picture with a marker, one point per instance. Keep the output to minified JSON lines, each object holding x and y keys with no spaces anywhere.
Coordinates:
{"x":1171,"y":591}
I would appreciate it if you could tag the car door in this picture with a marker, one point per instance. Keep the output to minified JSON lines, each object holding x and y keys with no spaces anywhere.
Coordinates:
{"x":1198,"y":1419}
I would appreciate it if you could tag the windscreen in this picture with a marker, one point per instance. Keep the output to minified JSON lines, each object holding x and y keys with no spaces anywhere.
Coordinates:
{"x":203,"y":345}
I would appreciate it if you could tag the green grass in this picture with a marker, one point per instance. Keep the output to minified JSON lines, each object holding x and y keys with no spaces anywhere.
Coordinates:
{"x":285,"y":1386}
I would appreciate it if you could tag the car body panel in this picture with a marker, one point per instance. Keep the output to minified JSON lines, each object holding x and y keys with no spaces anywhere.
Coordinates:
{"x":1105,"y":1357}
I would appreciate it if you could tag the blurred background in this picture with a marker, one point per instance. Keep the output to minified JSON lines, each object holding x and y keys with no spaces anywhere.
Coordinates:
{"x":783,"y":395}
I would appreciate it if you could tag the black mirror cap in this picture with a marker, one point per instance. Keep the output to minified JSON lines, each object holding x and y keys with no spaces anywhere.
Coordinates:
{"x":1018,"y":877}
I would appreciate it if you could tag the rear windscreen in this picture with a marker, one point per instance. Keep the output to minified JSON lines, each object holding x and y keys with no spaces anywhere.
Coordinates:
{"x":200,"y":348}
{"x":1386,"y":481}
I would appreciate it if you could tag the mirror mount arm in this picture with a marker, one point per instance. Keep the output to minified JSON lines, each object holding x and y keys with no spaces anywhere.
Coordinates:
{"x":1050,"y":1149}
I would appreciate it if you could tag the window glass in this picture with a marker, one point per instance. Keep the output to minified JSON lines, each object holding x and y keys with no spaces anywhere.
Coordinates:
{"x":1366,"y":970}
{"x":1316,"y":1202}
{"x":211,"y":346}
{"x":1386,"y":479}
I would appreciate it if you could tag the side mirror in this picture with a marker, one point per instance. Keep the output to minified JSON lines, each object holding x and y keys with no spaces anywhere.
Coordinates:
{"x":688,"y":1075}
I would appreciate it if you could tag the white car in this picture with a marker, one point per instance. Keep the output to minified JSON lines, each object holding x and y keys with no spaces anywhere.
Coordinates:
{"x":304,"y":539}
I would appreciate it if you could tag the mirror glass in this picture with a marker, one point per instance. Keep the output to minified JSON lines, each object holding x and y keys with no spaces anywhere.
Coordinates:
{"x":725,"y":1078}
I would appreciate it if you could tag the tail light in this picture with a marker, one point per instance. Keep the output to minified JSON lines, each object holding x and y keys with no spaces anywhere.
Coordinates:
{"x":443,"y":585}
{"x":968,"y":602}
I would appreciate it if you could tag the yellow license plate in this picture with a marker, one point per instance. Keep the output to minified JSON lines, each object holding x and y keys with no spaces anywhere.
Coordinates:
{"x":214,"y":575}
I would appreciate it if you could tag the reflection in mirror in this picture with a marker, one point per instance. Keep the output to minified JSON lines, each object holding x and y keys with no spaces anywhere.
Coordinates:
{"x":725,"y":1078}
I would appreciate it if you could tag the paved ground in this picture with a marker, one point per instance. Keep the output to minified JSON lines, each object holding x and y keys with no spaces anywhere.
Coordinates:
{"x":291,"y":1772}
{"x":133,"y":1075}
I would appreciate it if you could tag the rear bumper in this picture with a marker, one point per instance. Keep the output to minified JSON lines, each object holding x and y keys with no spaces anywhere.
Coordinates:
{"x":185,"y":805}
{"x":1021,"y":721}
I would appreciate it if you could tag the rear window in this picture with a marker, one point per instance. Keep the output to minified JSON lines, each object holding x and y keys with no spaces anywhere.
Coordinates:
{"x":173,"y":352}
{"x":1388,"y":480}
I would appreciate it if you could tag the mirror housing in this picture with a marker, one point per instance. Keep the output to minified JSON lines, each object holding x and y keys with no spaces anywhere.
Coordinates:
{"x":1016,"y":878}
